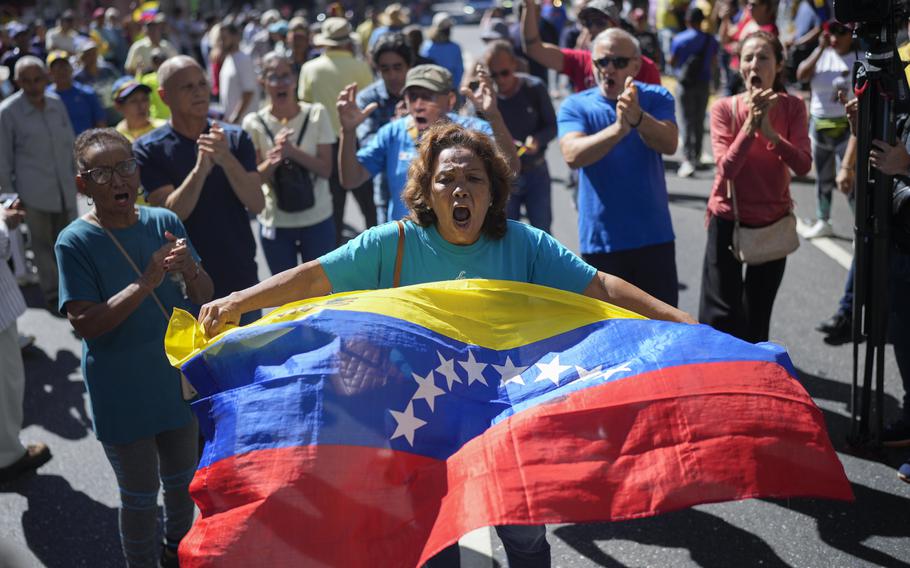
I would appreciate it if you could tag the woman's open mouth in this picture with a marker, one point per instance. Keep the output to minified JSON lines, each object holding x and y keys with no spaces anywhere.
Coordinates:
{"x":122,"y":198}
{"x":755,"y":81}
{"x":462,"y":216}
{"x":281,"y":95}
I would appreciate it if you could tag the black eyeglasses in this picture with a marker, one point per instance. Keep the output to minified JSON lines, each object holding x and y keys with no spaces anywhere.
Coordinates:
{"x":102,"y":175}
{"x":504,"y":73}
{"x":618,"y":62}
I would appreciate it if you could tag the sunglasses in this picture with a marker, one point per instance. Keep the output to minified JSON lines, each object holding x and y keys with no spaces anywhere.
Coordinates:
{"x":838,"y":29}
{"x":595,"y":21}
{"x":102,"y":175}
{"x":504,"y":73}
{"x":285,"y":79}
{"x":618,"y":62}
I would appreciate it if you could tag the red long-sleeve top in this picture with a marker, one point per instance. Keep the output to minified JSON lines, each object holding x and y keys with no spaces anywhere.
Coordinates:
{"x":760,"y":171}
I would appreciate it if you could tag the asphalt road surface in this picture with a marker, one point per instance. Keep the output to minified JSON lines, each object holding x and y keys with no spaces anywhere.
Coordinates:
{"x":66,"y":515}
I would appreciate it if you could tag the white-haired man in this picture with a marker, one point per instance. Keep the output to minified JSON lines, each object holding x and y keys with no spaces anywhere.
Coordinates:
{"x":36,"y":162}
{"x":615,"y":134}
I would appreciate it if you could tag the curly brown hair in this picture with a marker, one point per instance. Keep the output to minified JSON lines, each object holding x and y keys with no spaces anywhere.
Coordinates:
{"x":440,"y":137}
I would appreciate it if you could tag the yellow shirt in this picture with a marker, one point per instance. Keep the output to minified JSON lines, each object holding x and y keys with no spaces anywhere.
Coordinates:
{"x":323,"y":78}
{"x":131,"y":135}
{"x":158,"y":108}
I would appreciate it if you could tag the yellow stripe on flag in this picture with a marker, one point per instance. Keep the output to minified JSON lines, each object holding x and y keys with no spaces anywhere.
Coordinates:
{"x":496,"y":314}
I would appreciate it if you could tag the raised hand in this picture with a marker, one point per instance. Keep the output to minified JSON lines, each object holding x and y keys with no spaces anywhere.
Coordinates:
{"x":155,"y":269}
{"x":484,"y":97}
{"x":628,"y":110}
{"x":214,"y":143}
{"x":179,"y":258}
{"x":349,"y":114}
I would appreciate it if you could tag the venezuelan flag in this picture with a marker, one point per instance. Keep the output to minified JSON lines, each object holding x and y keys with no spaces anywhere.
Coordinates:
{"x":376,"y":428}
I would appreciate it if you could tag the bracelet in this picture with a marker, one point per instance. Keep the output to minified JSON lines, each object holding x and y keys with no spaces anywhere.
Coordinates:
{"x":640,"y":118}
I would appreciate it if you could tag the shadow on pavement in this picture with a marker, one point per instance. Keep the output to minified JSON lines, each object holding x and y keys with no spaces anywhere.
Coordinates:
{"x":710,"y":540}
{"x":697,"y":202}
{"x":64,"y":527}
{"x":52,"y":400}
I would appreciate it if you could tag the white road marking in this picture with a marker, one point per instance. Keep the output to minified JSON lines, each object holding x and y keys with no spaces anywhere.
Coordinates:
{"x":827,"y":246}
{"x":479,"y":541}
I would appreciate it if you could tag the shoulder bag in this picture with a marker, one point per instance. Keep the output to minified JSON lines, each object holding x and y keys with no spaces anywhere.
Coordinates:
{"x":186,"y":389}
{"x":758,"y":245}
{"x":291,"y":182}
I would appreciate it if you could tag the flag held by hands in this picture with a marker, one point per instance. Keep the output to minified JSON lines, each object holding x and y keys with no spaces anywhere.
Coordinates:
{"x":376,"y":428}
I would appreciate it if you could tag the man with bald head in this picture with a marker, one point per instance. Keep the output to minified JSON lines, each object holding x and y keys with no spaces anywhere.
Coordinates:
{"x":205,"y":172}
{"x":615,"y":134}
{"x":36,"y":161}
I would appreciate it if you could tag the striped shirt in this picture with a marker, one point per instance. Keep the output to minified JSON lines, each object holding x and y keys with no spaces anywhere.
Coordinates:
{"x":12,"y":304}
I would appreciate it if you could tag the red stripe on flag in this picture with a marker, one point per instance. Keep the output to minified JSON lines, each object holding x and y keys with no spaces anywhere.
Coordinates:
{"x":634,"y":447}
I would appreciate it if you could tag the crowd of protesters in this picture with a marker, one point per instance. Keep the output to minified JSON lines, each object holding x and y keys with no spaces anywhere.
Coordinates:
{"x":281,"y":115}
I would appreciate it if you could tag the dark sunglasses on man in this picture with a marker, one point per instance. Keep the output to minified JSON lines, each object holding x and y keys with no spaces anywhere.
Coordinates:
{"x":837,"y":28}
{"x":618,"y":62}
{"x":102,"y":175}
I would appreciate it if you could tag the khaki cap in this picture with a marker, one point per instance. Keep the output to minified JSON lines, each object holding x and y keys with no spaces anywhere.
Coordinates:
{"x":433,"y":77}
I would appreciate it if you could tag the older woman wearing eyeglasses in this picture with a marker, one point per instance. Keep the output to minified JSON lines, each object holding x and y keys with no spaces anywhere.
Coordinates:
{"x":123,"y":269}
{"x":296,"y":224}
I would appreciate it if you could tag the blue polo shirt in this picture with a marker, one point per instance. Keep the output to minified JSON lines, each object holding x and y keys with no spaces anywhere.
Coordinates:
{"x":392,"y":149}
{"x":219,"y":225}
{"x":82,"y":106}
{"x":622,"y":198}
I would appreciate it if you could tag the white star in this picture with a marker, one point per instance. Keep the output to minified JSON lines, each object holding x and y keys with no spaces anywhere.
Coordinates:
{"x":550,"y":371}
{"x":619,"y":368}
{"x":474,"y":369}
{"x":584,"y":375}
{"x":427,"y":389}
{"x":446,"y":368}
{"x":407,"y":424}
{"x":510,"y":373}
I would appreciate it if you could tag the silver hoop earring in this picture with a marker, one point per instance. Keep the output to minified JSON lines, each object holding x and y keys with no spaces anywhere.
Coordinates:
{"x":90,"y":202}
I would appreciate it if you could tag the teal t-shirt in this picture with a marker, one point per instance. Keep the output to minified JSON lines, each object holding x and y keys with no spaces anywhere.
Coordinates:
{"x":524,"y":254}
{"x":133,"y":390}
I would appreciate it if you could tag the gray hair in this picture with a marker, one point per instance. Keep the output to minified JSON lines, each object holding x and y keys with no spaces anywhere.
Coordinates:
{"x":273,"y":58}
{"x":25,"y":62}
{"x":613,"y":35}
{"x":173,"y":65}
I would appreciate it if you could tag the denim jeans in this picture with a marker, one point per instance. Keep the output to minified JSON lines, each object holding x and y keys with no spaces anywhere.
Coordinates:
{"x":297,"y":245}
{"x":827,"y":153}
{"x":532,"y":189}
{"x":526,"y":547}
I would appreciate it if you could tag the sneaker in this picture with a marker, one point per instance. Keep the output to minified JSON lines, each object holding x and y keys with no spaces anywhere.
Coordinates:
{"x":35,"y":456}
{"x":903,"y":472}
{"x":821,"y":228}
{"x":686,"y":169}
{"x":897,"y":435}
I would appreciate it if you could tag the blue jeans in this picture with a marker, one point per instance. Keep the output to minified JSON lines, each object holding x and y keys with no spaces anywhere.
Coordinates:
{"x":526,"y":547}
{"x":293,"y":246}
{"x":827,"y":153}
{"x":532,"y":189}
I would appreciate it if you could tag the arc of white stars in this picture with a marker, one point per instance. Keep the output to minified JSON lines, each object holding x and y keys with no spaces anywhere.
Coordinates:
{"x":584,"y":375}
{"x":510,"y":372}
{"x":550,"y":371}
{"x":474,"y":369}
{"x":446,"y":368}
{"x":427,"y":389}
{"x":407,"y":424}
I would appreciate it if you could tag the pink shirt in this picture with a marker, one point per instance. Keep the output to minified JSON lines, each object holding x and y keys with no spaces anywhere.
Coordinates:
{"x":759,"y":170}
{"x":577,"y":64}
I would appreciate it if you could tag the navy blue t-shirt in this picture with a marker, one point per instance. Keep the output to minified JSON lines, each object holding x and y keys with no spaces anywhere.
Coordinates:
{"x":689,"y":43}
{"x":219,"y":226}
